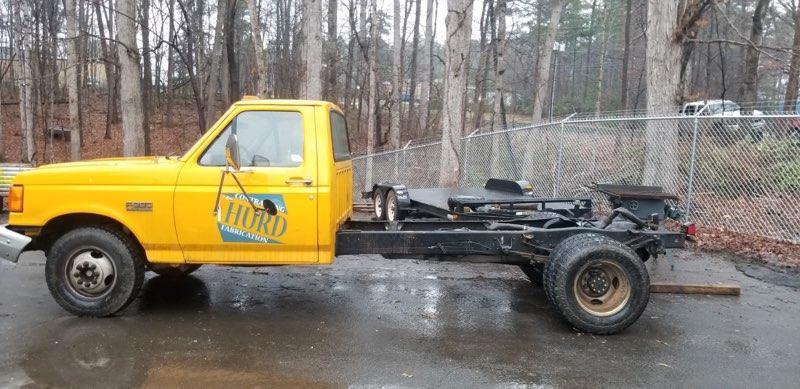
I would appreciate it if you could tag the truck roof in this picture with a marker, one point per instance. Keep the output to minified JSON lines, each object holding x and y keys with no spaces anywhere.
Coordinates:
{"x":252,"y":100}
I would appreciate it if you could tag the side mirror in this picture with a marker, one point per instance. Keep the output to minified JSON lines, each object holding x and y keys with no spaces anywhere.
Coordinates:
{"x":232,"y":157}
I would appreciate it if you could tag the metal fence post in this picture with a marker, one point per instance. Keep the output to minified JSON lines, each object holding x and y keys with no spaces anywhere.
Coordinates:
{"x":464,"y":151}
{"x":559,"y":161}
{"x":692,"y":162}
{"x":404,"y":168}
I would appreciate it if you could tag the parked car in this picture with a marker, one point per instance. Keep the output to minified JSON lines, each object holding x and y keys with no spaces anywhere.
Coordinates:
{"x":730,"y":118}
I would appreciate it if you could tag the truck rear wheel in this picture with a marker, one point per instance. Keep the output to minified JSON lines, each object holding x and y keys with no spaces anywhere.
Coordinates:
{"x":94,"y":271}
{"x":597,"y":284}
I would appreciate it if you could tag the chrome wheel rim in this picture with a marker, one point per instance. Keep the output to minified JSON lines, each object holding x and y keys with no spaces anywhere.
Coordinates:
{"x":391,"y":208}
{"x":378,"y":204}
{"x":602,"y":288}
{"x":90,"y":272}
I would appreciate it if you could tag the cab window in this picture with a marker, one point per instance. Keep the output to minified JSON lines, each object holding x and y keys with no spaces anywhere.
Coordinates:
{"x":341,"y":142}
{"x":266,"y":139}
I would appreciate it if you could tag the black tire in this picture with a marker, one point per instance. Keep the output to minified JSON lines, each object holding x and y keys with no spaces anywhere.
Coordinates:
{"x":178,"y":271}
{"x":120,"y":250}
{"x":577,"y":255}
{"x":393,"y":211}
{"x":379,"y":204}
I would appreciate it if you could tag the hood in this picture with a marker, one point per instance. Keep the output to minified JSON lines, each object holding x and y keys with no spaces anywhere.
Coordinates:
{"x":131,"y":161}
{"x":106,"y":171}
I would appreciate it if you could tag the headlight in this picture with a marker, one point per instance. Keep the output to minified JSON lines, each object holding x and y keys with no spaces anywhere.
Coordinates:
{"x":15,"y":198}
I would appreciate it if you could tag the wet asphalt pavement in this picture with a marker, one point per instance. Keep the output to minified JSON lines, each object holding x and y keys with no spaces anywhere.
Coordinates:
{"x":368,"y":321}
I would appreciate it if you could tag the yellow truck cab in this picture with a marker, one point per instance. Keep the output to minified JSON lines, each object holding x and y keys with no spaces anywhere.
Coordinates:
{"x":86,"y":214}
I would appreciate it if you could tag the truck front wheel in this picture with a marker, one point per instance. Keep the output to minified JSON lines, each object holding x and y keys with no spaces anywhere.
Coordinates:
{"x":598,"y":284}
{"x":94,"y":271}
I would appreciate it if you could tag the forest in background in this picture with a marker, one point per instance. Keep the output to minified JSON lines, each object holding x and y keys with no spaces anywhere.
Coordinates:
{"x":88,"y":78}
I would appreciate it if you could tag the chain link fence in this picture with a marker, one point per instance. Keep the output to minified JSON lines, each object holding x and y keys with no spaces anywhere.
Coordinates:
{"x":735,"y":173}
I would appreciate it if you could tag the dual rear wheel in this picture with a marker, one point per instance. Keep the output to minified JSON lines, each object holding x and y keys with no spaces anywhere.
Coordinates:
{"x":596,"y":283}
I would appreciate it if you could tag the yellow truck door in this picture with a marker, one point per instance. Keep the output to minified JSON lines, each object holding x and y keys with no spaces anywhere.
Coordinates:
{"x":279,"y":163}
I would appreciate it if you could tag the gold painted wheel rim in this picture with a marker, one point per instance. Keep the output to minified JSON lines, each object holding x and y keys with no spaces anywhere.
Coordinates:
{"x":602,"y":288}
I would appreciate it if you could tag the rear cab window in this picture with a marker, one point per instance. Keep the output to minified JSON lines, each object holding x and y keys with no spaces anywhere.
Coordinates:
{"x":339,"y":137}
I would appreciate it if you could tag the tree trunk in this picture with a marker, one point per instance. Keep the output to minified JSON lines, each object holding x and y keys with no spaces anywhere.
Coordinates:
{"x":601,"y":72}
{"x":793,"y":84}
{"x":748,"y":92}
{"x":22,"y":31}
{"x":412,"y":84}
{"x":542,"y":77}
{"x":258,"y":48}
{"x":589,"y":51}
{"x":170,"y":66}
{"x":147,"y":77}
{"x":626,"y":55}
{"x":133,"y":133}
{"x":234,"y":91}
{"x":372,"y":104}
{"x":108,"y":67}
{"x":663,"y":58}
{"x":332,"y":54}
{"x":397,"y":78}
{"x":482,"y":73}
{"x":498,"y":114}
{"x":312,"y":31}
{"x":216,"y":62}
{"x":459,"y":30}
{"x":73,"y":82}
{"x":426,"y":71}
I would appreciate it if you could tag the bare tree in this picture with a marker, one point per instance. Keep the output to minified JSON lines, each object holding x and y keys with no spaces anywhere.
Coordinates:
{"x":626,"y":55}
{"x":412,"y":84}
{"x":73,"y":81}
{"x":459,"y":30}
{"x":426,"y":70}
{"x":793,"y":84}
{"x":397,"y":77}
{"x":22,"y":34}
{"x":748,"y":92}
{"x":133,"y":132}
{"x":499,"y":114}
{"x":542,"y":77}
{"x":312,"y":35}
{"x":332,"y":54}
{"x":147,"y":76}
{"x":216,"y":62}
{"x":603,"y":52}
{"x":372,"y":123}
{"x":262,"y":88}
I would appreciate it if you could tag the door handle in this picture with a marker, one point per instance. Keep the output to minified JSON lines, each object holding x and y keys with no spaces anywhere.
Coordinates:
{"x":304,"y":181}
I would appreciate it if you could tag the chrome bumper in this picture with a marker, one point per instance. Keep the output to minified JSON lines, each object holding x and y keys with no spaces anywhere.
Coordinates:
{"x":11,"y":244}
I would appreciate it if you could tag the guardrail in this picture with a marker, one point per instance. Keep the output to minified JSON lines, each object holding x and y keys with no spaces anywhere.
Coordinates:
{"x":733,"y":173}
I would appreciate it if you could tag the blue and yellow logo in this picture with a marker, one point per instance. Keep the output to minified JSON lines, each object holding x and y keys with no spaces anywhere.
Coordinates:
{"x":239,"y":222}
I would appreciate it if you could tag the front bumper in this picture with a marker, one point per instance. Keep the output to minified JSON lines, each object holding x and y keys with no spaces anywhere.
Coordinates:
{"x":11,"y":244}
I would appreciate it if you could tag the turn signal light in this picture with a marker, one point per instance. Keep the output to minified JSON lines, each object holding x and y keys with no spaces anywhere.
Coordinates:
{"x":690,"y":229}
{"x":15,"y":198}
